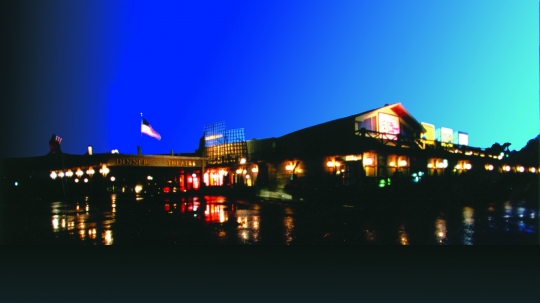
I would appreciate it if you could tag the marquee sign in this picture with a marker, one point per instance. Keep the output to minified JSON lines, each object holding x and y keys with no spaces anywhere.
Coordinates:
{"x":154,"y":161}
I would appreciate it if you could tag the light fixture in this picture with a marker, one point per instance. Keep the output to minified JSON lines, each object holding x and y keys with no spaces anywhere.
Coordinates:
{"x":521,"y":169}
{"x":90,"y":171}
{"x":368,"y":161}
{"x":113,"y":178}
{"x":243,"y":161}
{"x":79,"y":173}
{"x":53,"y":175}
{"x":85,"y":180}
{"x":255,"y":170}
{"x":104,"y":170}
{"x":402,"y":163}
{"x":239,"y":171}
{"x":69,"y":173}
{"x":468,"y":166}
{"x":149,"y":178}
{"x":61,"y":174}
{"x":430,"y":165}
{"x":330,"y":164}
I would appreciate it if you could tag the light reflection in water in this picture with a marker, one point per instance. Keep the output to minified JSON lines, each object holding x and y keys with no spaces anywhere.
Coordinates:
{"x":371,"y":235}
{"x":507,"y":209}
{"x":403,"y":236}
{"x":69,"y":218}
{"x":468,"y":225}
{"x":73,"y":222}
{"x":92,"y":233}
{"x":107,"y":237}
{"x":248,"y":225}
{"x":440,"y":230}
{"x":288,"y":222}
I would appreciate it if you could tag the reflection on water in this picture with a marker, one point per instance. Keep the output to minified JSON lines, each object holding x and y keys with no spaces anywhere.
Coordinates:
{"x":288,"y":222}
{"x":440,"y":230}
{"x":242,"y":223}
{"x":403,"y":236}
{"x":468,"y":225}
{"x":248,"y":226}
{"x":371,"y":235}
{"x":73,"y":220}
{"x":118,"y":219}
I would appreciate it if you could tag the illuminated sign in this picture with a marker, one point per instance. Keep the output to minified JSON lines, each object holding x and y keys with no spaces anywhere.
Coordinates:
{"x":461,"y":138}
{"x":154,"y":162}
{"x":430,"y":131}
{"x":444,"y":134}
{"x":389,"y":124}
{"x":213,"y":137}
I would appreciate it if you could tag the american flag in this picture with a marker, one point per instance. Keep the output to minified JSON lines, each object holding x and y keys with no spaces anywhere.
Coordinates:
{"x":147,"y":129}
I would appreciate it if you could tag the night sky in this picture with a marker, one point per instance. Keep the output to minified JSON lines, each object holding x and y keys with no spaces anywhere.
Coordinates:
{"x":85,"y":70}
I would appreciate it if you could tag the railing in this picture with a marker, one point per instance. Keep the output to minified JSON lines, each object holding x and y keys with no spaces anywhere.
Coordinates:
{"x":402,"y":141}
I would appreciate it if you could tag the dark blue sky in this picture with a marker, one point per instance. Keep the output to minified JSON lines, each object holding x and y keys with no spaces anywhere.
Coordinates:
{"x":85,"y":70}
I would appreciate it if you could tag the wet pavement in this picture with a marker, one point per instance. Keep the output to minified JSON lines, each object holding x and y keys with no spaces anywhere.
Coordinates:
{"x":117,"y":219}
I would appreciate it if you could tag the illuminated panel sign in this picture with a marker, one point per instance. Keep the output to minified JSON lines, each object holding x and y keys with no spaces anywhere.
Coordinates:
{"x":444,"y":134}
{"x":154,"y":161}
{"x":461,"y":138}
{"x":430,"y":131}
{"x":213,"y":137}
{"x":389,"y":124}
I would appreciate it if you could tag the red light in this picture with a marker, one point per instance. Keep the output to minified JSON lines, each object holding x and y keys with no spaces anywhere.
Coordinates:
{"x":166,"y":189}
{"x":167,"y":207}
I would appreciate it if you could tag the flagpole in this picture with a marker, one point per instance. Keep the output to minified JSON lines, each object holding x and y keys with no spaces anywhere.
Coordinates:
{"x":140,"y":130}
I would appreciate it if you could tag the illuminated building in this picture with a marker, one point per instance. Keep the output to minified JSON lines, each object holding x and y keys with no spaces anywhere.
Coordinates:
{"x":380,"y":145}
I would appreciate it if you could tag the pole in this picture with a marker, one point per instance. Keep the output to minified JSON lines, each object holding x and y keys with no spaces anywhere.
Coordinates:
{"x":140,"y":141}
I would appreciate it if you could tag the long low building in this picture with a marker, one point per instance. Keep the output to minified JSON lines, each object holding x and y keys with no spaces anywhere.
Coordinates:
{"x":374,"y":145}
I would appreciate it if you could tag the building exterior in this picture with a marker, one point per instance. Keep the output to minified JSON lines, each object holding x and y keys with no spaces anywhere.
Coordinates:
{"x":378,"y":144}
{"x":372,"y":147}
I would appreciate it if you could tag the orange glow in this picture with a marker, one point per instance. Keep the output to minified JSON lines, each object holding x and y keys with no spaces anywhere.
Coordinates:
{"x":90,"y":171}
